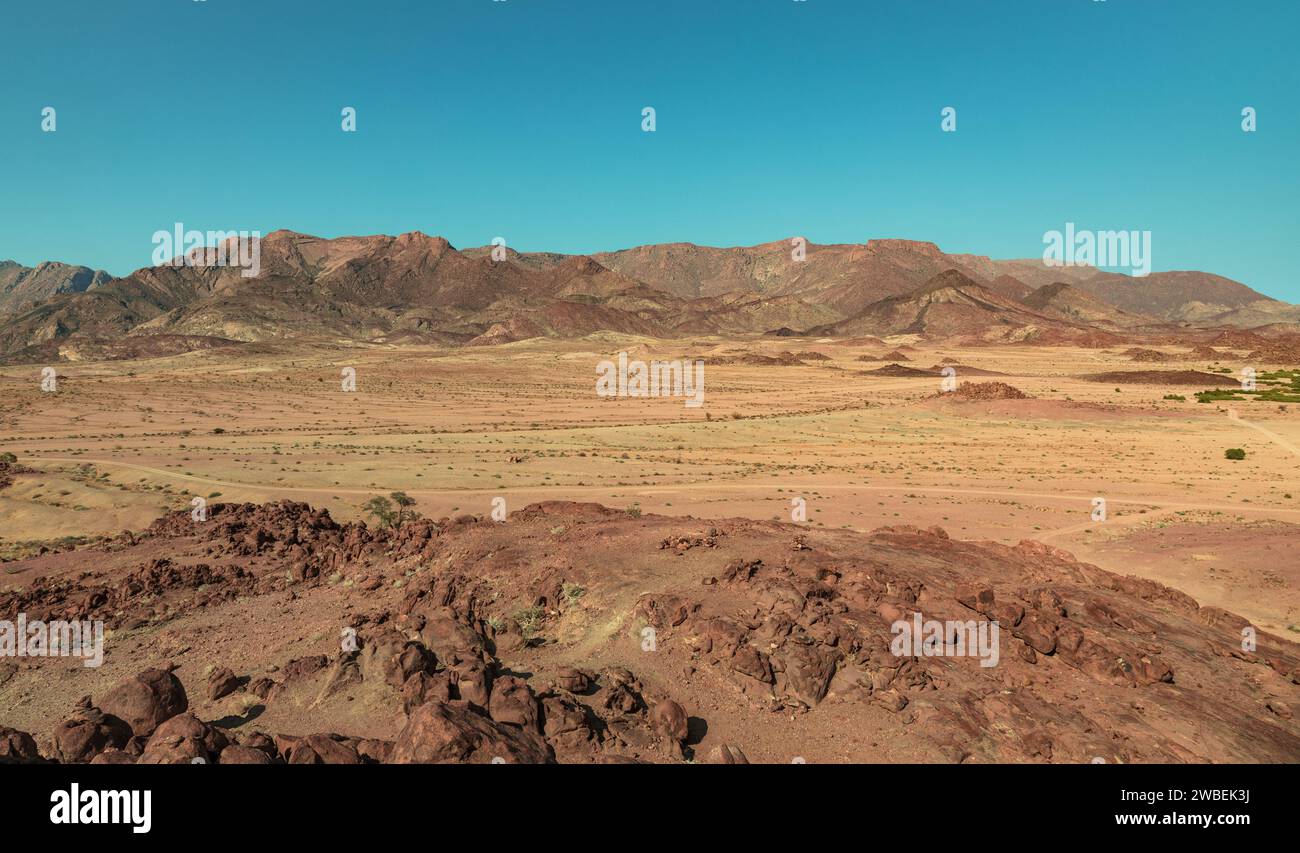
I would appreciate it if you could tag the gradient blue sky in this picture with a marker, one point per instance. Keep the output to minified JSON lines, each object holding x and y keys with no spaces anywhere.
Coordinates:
{"x":775,"y":118}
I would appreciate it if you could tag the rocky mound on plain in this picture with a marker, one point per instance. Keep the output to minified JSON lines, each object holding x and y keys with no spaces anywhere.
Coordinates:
{"x":988,"y":391}
{"x":1163,"y":377}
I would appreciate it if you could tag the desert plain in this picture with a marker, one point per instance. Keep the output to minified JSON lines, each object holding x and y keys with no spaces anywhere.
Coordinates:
{"x":121,"y":443}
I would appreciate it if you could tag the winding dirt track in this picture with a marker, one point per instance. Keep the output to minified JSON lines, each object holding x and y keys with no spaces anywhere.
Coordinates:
{"x":1272,"y":436}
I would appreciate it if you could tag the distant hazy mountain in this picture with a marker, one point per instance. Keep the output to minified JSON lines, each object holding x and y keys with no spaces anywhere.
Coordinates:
{"x":1169,"y":294}
{"x":1073,"y":303}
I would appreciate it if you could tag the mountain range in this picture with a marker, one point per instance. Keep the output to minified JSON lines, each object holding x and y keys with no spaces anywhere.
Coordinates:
{"x":419,"y":288}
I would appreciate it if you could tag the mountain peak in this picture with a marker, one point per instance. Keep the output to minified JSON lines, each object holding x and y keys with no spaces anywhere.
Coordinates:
{"x":949,"y":279}
{"x":895,"y":244}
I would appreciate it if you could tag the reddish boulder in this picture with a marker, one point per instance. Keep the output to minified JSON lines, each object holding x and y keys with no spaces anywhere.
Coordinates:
{"x":453,"y":732}
{"x":374,"y":751}
{"x":261,"y":742}
{"x":726,"y":754}
{"x":181,"y":740}
{"x":513,"y":702}
{"x":473,"y":681}
{"x":422,"y":687}
{"x":669,"y":719}
{"x":573,"y":680}
{"x":17,"y":747}
{"x":222,"y":682}
{"x":146,"y":700}
{"x":87,"y":733}
{"x":323,"y":749}
{"x":566,"y":722}
{"x":236,"y":754}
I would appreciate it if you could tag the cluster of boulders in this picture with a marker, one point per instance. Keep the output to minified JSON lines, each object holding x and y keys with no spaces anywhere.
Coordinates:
{"x":307,"y":541}
{"x":813,"y":626}
{"x":497,"y":719}
{"x":785,"y":648}
{"x":1044,"y":628}
{"x":435,"y":662}
{"x":246,"y":549}
{"x":681,"y":544}
{"x":442,"y":657}
{"x":131,"y":600}
{"x":1089,"y":662}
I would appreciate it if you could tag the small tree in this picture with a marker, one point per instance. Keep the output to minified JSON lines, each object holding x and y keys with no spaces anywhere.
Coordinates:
{"x":404,"y":503}
{"x":1234,"y":453}
{"x":8,"y":457}
{"x":382,"y":510}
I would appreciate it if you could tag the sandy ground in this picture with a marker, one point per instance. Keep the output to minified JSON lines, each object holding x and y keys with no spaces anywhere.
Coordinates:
{"x":455,"y":428}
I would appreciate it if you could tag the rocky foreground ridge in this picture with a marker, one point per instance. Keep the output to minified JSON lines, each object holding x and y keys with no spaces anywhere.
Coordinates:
{"x":580,"y":633}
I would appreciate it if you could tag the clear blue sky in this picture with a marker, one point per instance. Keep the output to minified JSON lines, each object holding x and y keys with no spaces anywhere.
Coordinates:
{"x":775,"y":118}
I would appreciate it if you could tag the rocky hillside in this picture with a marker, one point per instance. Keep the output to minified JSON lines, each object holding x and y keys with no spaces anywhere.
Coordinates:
{"x":577,"y":633}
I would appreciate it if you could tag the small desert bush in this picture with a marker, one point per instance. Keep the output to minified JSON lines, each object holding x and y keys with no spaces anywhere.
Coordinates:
{"x":573,"y":591}
{"x":530,"y":619}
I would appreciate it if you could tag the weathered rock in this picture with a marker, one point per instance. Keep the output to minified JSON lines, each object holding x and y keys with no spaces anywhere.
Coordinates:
{"x":261,"y":742}
{"x":222,"y":682}
{"x":323,"y":749}
{"x":422,"y":687}
{"x":236,"y":754}
{"x":374,"y":751}
{"x":1038,"y":633}
{"x":573,"y":680}
{"x":17,"y":747}
{"x":622,"y":699}
{"x":87,"y":733}
{"x":670,"y":720}
{"x":726,"y":754}
{"x":453,"y":732}
{"x":807,"y":671}
{"x":473,"y":681}
{"x":146,"y":700}
{"x":513,"y":702}
{"x":750,"y":661}
{"x":566,"y":722}
{"x":181,"y":740}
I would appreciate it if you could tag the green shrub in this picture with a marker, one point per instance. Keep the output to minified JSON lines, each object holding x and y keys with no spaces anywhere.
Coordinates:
{"x":573,"y":591}
{"x":1234,"y":453}
{"x":382,"y":510}
{"x":530,"y":619}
